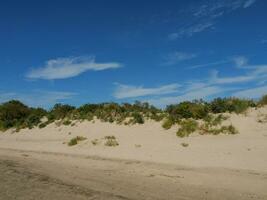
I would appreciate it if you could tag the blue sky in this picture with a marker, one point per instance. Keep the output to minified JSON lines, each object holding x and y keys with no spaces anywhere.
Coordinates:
{"x":162,"y":52}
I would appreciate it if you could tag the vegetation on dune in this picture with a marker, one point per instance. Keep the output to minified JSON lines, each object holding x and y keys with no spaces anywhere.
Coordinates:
{"x":187,"y":127}
{"x":111,"y":141}
{"x":17,"y":115}
{"x":76,"y":140}
{"x":14,"y":114}
{"x":263,"y":100}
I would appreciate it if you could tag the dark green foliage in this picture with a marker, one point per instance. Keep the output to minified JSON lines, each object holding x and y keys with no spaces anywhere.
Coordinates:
{"x":35,"y":117}
{"x":13,"y":114}
{"x":221,"y":105}
{"x":187,"y":109}
{"x":60,"y":111}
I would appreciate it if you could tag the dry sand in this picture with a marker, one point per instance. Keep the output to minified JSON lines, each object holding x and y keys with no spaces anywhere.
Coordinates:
{"x":149,"y":163}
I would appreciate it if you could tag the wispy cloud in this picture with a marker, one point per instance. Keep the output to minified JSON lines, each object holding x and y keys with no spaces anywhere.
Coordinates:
{"x":209,"y":64}
{"x":62,"y":68}
{"x":249,"y":3}
{"x":240,"y":61}
{"x":44,"y":99}
{"x":252,"y":92}
{"x":205,"y":16}
{"x":191,"y":30}
{"x":208,"y":87}
{"x":177,"y":57}
{"x":128,"y":91}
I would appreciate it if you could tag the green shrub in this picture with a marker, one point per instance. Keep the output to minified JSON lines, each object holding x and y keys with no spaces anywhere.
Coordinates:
{"x":138,"y":118}
{"x":187,"y":109}
{"x":221,"y":105}
{"x":229,"y":130}
{"x":67,"y":122}
{"x":60,"y":111}
{"x":75,"y":140}
{"x":168,"y":123}
{"x":111,"y":141}
{"x":13,"y":114}
{"x":188,"y":126}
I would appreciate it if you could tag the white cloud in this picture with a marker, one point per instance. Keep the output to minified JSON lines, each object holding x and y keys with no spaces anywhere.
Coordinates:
{"x":256,"y":73}
{"x":252,"y":92}
{"x":62,"y":68}
{"x":127,"y":91}
{"x":177,"y":57}
{"x":38,"y":98}
{"x":203,"y":88}
{"x":249,"y":3}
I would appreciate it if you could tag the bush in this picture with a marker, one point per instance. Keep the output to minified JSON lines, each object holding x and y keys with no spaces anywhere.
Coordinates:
{"x":138,"y":118}
{"x":229,"y":130}
{"x":187,"y":109}
{"x":60,"y":111}
{"x":67,"y":122}
{"x":221,"y":105}
{"x":13,"y":114}
{"x":168,"y":123}
{"x":35,"y":117}
{"x":188,"y":126}
{"x":75,"y":140}
{"x":111,"y":141}
{"x":263,"y":100}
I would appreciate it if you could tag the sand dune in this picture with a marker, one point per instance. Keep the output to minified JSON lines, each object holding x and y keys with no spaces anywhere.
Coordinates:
{"x":149,"y":162}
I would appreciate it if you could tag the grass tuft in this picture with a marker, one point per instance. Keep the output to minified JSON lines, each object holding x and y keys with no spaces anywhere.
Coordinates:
{"x":111,"y":141}
{"x":188,"y":126}
{"x":75,"y":140}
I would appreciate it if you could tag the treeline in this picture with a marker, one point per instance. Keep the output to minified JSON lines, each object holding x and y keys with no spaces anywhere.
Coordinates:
{"x":14,"y":114}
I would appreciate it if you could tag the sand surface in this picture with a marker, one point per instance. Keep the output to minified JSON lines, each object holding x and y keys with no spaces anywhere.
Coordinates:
{"x":149,"y":163}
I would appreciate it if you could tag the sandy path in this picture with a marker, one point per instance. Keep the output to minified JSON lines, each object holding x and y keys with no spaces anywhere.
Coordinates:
{"x":40,"y":175}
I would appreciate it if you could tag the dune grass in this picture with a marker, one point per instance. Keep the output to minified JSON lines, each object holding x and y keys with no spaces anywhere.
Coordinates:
{"x":76,"y":140}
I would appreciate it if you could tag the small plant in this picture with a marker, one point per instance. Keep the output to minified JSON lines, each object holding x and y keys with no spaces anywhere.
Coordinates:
{"x":67,"y":122}
{"x":229,"y":130}
{"x":167,"y":123}
{"x":138,"y":118}
{"x":43,"y":125}
{"x":188,"y":126}
{"x":262,"y":118}
{"x":185,"y":144}
{"x":95,"y":142}
{"x":111,"y":141}
{"x":263,"y":101}
{"x":75,"y":140}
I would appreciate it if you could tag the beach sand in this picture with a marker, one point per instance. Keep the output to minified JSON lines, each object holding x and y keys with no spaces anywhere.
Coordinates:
{"x":149,"y":163}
